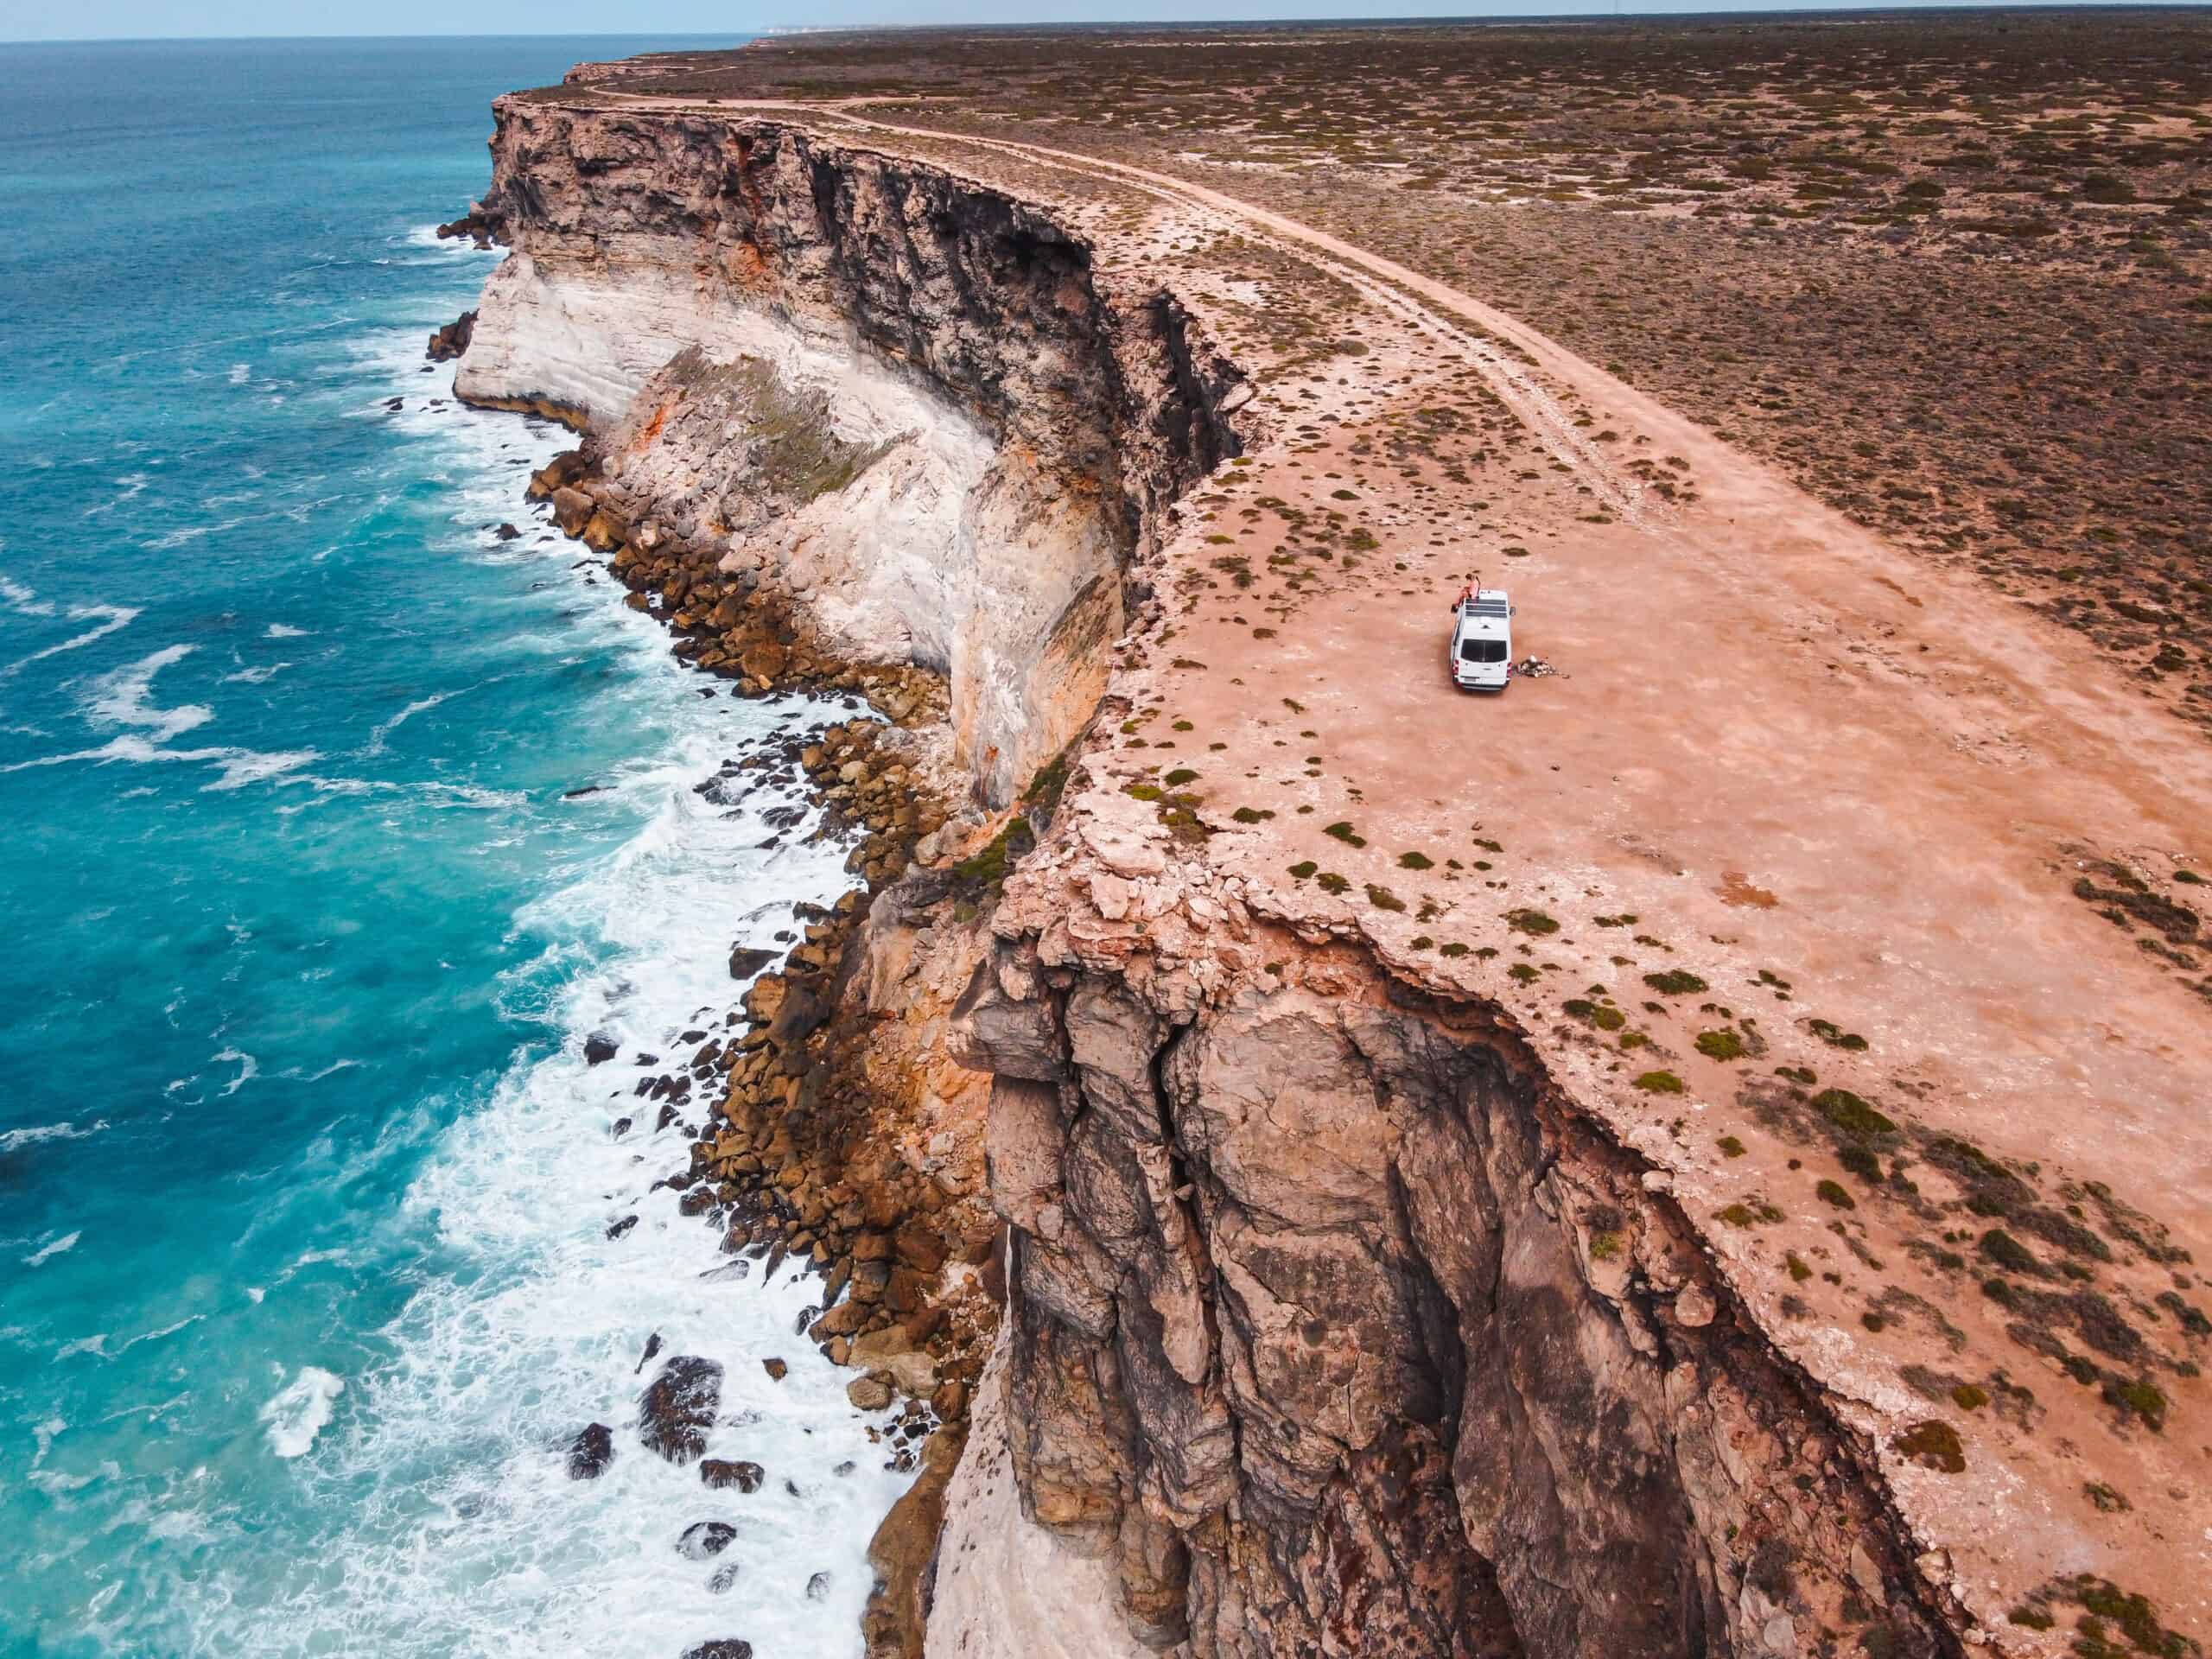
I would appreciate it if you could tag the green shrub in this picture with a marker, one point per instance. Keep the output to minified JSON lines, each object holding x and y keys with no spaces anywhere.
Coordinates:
{"x":1851,"y":1114}
{"x":988,"y":868}
{"x":1933,"y":1446}
{"x":2007,"y":1251}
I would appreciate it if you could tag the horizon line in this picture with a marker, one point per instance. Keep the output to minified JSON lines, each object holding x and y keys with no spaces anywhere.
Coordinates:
{"x":1591,"y":10}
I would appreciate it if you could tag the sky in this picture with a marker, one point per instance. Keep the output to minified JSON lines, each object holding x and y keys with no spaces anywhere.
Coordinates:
{"x":53,"y":20}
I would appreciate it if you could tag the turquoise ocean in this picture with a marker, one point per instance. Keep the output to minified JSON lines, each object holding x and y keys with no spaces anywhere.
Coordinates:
{"x":305,"y":1181}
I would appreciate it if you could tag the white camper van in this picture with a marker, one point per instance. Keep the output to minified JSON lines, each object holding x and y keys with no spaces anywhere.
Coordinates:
{"x":1481,"y":640}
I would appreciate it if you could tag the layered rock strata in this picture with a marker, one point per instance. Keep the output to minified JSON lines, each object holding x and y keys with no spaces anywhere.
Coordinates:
{"x":911,"y":405}
{"x":1332,"y":1323}
{"x":1336,"y":1326}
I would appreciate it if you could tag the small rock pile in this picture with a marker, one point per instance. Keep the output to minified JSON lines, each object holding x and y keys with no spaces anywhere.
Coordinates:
{"x":804,"y":1165}
{"x":866,"y":785}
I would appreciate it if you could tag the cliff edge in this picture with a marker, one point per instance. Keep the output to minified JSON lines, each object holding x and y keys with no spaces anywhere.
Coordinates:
{"x":1682,"y":1159}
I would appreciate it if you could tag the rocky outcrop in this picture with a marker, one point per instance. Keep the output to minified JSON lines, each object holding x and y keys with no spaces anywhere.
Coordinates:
{"x":909,"y":407}
{"x":469,"y":227}
{"x":679,"y":1407}
{"x":1333,"y":1324}
{"x":1336,"y":1326}
{"x":451,"y":340}
{"x":591,"y":1453}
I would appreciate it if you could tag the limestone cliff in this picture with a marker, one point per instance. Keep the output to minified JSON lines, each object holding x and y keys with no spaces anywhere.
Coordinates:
{"x":957,"y":427}
{"x":1336,"y":1326}
{"x":1333,"y":1324}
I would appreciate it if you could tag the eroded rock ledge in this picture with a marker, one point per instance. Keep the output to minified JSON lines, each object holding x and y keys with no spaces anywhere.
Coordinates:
{"x":1336,"y":1326}
{"x":1333,"y":1324}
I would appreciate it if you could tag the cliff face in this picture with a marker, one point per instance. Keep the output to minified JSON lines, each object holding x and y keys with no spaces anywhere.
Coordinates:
{"x":1337,"y":1327}
{"x":1332,"y":1324}
{"x":958,"y":429}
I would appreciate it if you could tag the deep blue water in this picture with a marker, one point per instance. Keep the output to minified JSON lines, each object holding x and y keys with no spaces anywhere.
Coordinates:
{"x":303,"y":1180}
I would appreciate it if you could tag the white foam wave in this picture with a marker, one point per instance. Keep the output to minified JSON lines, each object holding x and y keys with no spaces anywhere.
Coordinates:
{"x":134,"y":486}
{"x":301,"y":1410}
{"x":46,"y":1252}
{"x":451,"y":1526}
{"x":437,"y":795}
{"x":166,"y":1331}
{"x":236,"y":768}
{"x":111,"y":618}
{"x":464,"y":1535}
{"x":298,"y":1074}
{"x":24,"y":602}
{"x":420,"y":705}
{"x":426,"y":236}
{"x":249,"y":1068}
{"x":123,"y":696}
{"x":285,"y":630}
{"x":30,"y":1137}
{"x":120,"y":697}
{"x":256,"y":676}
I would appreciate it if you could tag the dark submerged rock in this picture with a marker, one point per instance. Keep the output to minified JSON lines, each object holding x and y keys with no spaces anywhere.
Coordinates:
{"x":719,"y":1474}
{"x":703,"y":1539}
{"x":678,"y":1407}
{"x":591,"y":1451}
{"x":598,"y":1048}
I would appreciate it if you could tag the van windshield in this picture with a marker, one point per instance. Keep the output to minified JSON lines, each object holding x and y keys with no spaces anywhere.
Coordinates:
{"x":1482,"y":651}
